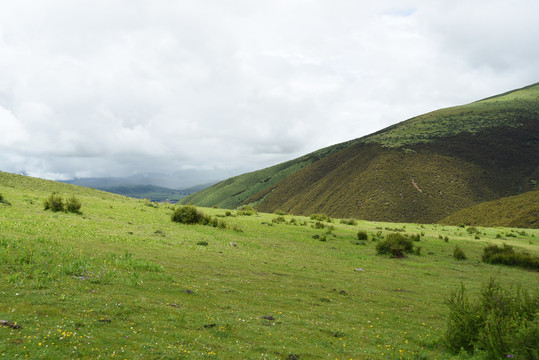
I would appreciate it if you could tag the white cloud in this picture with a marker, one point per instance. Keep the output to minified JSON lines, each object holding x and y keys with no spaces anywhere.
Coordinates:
{"x":115,"y":88}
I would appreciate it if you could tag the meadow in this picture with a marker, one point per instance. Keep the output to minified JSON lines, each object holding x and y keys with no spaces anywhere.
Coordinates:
{"x":121,"y":280}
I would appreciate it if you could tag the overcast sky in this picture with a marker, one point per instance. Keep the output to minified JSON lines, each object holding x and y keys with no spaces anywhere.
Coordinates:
{"x":117,"y":87}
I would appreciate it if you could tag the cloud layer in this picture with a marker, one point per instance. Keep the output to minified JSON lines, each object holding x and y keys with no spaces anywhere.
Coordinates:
{"x":114,"y":88}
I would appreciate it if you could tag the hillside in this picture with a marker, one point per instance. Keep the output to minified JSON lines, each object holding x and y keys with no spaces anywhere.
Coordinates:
{"x":420,"y":170}
{"x":121,"y":280}
{"x":520,"y":211}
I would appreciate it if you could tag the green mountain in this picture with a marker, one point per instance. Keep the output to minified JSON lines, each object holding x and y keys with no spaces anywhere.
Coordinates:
{"x":420,"y":170}
{"x":515,"y":211}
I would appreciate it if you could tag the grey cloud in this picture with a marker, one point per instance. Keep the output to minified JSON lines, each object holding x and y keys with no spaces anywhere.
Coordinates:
{"x":112,"y":89}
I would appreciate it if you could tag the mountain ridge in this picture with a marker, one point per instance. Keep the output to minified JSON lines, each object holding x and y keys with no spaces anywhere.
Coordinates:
{"x":458,"y":157}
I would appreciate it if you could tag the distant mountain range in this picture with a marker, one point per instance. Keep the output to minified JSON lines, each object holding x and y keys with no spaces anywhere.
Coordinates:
{"x":130,"y":187}
{"x":420,"y":170}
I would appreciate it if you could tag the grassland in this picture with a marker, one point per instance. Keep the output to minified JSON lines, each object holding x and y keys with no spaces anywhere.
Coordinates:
{"x":123,"y":281}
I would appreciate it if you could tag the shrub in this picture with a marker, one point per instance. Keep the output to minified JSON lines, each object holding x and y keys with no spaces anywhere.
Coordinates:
{"x":348,"y":221}
{"x":362,"y":235}
{"x":202,"y":243}
{"x":506,"y":255}
{"x":279,"y":220}
{"x":500,"y":323}
{"x":415,"y":237}
{"x":54,"y":203}
{"x":318,"y":225}
{"x":395,"y":245}
{"x":458,"y":253}
{"x":187,"y":214}
{"x":279,"y":212}
{"x":3,"y":200}
{"x":246,"y":210}
{"x":73,"y":205}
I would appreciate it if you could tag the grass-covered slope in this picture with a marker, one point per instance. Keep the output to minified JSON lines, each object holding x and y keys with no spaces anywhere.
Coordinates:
{"x":123,"y":281}
{"x":421,"y":169}
{"x":425,"y":168}
{"x":515,"y":211}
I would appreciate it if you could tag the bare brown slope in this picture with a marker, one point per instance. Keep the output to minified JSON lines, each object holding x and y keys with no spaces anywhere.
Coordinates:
{"x":419,"y":183}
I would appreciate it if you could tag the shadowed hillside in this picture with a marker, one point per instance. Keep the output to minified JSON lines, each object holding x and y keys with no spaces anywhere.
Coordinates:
{"x":514,"y":211}
{"x":419,"y":170}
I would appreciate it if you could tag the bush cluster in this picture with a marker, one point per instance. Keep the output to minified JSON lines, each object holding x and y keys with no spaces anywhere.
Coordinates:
{"x":500,"y":324}
{"x":348,"y":221}
{"x":56,"y":203}
{"x":506,"y":255}
{"x":396,"y":245}
{"x":188,"y":214}
{"x":362,"y":235}
{"x":246,"y":210}
{"x":458,"y":253}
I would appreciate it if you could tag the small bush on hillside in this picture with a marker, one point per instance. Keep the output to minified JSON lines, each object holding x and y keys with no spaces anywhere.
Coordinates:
{"x":458,"y":253}
{"x":506,"y":255}
{"x":279,"y":212}
{"x":73,"y":205}
{"x":362,"y":235}
{"x":501,"y":323}
{"x":246,"y":210}
{"x":202,"y":243}
{"x":415,"y":237}
{"x":395,"y":245}
{"x":3,"y":200}
{"x":318,"y":225}
{"x":54,"y":203}
{"x":187,"y":214}
{"x":348,"y":221}
{"x":279,"y":220}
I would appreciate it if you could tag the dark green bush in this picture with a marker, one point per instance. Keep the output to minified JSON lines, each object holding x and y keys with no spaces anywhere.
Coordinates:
{"x":202,"y":243}
{"x":318,"y":225}
{"x":279,"y":220}
{"x":458,"y":253}
{"x":500,"y":324}
{"x":73,"y":205}
{"x":506,"y":255}
{"x":187,"y":214}
{"x":395,"y":245}
{"x":279,"y":212}
{"x":362,"y":235}
{"x":415,"y":237}
{"x":3,"y":200}
{"x":54,"y":203}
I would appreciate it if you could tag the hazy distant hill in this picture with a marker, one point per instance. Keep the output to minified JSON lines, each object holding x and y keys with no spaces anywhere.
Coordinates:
{"x":420,"y":170}
{"x":125,"y":186}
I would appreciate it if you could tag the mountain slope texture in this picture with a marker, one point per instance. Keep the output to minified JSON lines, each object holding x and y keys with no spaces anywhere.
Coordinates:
{"x":420,"y":170}
{"x":515,"y":211}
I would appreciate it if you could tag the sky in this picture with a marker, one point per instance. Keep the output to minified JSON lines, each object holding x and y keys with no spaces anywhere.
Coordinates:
{"x":122,"y":87}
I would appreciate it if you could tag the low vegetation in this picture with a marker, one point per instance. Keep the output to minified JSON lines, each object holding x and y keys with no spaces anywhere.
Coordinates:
{"x":501,"y":323}
{"x":55,"y":203}
{"x":506,"y":255}
{"x":396,"y":245}
{"x":124,"y":281}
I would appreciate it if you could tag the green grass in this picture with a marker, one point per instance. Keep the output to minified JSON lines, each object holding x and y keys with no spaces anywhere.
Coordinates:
{"x":122,"y":280}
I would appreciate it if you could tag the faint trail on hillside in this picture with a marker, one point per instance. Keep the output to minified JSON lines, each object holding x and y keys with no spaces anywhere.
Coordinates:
{"x":419,"y":189}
